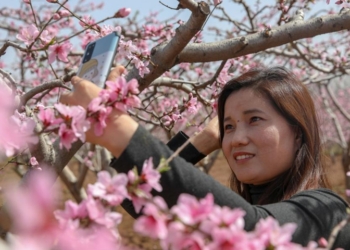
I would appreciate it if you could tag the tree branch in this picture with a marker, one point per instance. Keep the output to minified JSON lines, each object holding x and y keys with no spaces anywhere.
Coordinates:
{"x":58,"y":83}
{"x":164,"y":56}
{"x":9,"y":77}
{"x":232,"y":48}
{"x":12,"y":44}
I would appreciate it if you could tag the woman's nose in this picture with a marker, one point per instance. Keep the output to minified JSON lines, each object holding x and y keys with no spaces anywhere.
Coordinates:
{"x":240,"y":137}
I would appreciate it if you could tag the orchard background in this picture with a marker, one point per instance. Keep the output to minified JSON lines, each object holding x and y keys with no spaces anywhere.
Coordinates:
{"x":181,"y":53}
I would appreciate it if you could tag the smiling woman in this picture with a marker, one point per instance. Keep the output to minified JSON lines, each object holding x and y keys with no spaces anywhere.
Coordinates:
{"x":282,"y":133}
{"x":257,"y":137}
{"x":269,"y":134}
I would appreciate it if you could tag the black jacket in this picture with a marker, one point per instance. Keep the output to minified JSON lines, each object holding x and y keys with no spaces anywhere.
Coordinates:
{"x":316,"y":212}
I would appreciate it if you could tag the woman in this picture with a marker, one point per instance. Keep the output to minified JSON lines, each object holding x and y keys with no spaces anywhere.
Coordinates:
{"x":269,"y":136}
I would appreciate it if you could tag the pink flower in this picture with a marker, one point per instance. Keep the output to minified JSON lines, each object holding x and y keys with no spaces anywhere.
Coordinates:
{"x":121,"y":93}
{"x":347,"y":192}
{"x":91,"y":238}
{"x":67,"y":136}
{"x":132,"y":101}
{"x":143,"y":69}
{"x":216,"y":2}
{"x":150,"y":176}
{"x":33,"y":161}
{"x":133,"y":86}
{"x":75,"y":117}
{"x":226,"y":239}
{"x":46,"y":37}
{"x":101,"y":215}
{"x":153,"y":223}
{"x":191,"y":211}
{"x":26,"y":1}
{"x":110,"y":189}
{"x":38,"y":195}
{"x":47,"y":117}
{"x":79,"y":123}
{"x":126,"y":48}
{"x":64,"y":13}
{"x":123,"y":12}
{"x":100,"y":115}
{"x":271,"y":233}
{"x":87,"y":21}
{"x":191,"y":105}
{"x":56,"y":16}
{"x":223,"y":217}
{"x":181,"y":237}
{"x":11,"y":139}
{"x":18,"y":130}
{"x":28,"y":34}
{"x":139,"y":194}
{"x":60,"y":51}
{"x":117,"y":88}
{"x":69,"y":217}
{"x":100,"y":122}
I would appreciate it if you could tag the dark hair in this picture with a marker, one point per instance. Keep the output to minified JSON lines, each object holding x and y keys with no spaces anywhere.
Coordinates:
{"x":292,"y":100}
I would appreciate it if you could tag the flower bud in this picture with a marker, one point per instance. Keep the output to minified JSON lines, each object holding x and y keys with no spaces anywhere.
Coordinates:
{"x":123,"y":12}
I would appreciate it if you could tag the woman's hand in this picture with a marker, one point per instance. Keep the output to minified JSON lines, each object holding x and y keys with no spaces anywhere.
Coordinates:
{"x":120,"y":126}
{"x":208,"y":140}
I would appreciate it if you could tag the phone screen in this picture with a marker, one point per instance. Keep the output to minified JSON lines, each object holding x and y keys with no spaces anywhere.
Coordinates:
{"x":98,"y":59}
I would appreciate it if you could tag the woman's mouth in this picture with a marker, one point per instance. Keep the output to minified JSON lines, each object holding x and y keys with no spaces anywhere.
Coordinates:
{"x":242,"y":157}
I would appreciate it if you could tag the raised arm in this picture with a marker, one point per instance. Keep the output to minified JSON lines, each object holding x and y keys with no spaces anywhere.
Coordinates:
{"x":120,"y":126}
{"x":132,"y":145}
{"x":200,"y":145}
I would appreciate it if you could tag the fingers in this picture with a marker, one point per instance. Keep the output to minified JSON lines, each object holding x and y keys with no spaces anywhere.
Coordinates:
{"x":67,"y":97}
{"x":115,"y":73}
{"x":84,"y":92}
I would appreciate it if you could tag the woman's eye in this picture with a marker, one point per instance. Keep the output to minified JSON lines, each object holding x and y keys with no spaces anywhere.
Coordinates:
{"x":228,"y":127}
{"x":255,"y":119}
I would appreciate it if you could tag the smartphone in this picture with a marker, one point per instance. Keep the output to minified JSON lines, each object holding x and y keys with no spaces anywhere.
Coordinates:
{"x":98,"y":58}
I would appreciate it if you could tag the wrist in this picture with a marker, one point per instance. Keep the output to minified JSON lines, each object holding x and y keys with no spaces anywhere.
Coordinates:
{"x":205,"y":142}
{"x":118,"y":132}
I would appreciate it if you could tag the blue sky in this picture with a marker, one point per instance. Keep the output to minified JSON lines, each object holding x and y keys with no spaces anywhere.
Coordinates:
{"x":145,"y":6}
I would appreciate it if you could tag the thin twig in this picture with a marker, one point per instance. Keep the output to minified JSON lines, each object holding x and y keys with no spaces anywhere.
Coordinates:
{"x":336,"y":231}
{"x":9,"y":77}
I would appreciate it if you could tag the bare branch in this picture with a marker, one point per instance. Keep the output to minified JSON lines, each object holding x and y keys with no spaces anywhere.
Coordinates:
{"x":232,"y":48}
{"x":336,"y":231}
{"x":58,"y":83}
{"x":337,"y":104}
{"x":163,"y":56}
{"x":12,"y":44}
{"x":213,"y":79}
{"x":303,"y":56}
{"x":69,"y":179}
{"x":9,"y":77}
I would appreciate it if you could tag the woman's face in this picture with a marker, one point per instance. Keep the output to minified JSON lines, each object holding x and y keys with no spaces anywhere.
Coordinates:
{"x":258,"y":142}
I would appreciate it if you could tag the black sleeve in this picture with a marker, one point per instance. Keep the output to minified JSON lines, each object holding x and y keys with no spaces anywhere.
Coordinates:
{"x":182,"y":178}
{"x":189,"y":152}
{"x":309,"y":210}
{"x":316,"y":213}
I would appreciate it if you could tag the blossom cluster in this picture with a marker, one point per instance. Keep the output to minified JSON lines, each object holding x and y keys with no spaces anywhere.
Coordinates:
{"x":190,"y":224}
{"x":90,"y":224}
{"x":72,"y":122}
{"x":189,"y":106}
{"x":16,"y":129}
